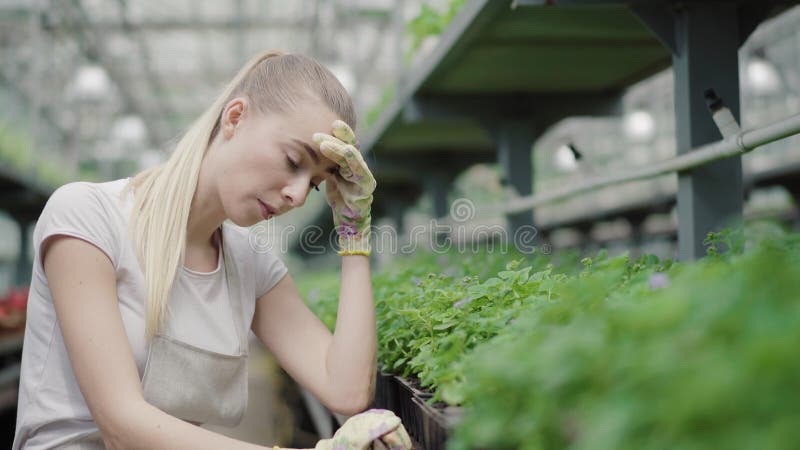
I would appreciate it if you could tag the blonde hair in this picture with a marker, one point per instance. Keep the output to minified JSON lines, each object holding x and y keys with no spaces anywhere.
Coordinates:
{"x":274,"y":82}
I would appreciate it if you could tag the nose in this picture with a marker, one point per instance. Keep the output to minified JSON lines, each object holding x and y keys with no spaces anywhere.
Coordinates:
{"x":296,"y":192}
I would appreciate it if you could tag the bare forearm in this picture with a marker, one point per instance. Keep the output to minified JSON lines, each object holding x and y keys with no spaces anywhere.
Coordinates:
{"x":147,"y":427}
{"x":351,"y":358}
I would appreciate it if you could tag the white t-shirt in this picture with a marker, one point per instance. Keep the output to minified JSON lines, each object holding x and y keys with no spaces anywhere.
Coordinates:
{"x":51,"y":408}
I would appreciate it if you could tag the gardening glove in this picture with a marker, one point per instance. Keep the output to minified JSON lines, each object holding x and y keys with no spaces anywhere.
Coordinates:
{"x":376,"y":429}
{"x":349,"y":191}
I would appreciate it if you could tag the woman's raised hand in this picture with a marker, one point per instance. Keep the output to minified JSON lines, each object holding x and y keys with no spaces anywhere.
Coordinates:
{"x":349,"y":191}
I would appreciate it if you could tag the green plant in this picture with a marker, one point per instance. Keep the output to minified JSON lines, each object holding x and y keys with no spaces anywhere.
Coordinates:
{"x":433,"y":309}
{"x":704,"y":360}
{"x":605,"y":353}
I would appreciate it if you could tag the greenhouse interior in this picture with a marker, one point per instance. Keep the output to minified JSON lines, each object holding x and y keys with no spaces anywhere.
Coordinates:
{"x":481,"y":224}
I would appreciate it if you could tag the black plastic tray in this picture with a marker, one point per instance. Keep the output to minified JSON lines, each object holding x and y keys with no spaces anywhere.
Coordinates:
{"x":427,"y":424}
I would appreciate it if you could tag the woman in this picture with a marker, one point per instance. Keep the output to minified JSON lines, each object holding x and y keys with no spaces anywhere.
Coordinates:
{"x":141,"y":297}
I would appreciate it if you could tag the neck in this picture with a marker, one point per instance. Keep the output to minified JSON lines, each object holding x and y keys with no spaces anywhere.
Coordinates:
{"x":205,"y":214}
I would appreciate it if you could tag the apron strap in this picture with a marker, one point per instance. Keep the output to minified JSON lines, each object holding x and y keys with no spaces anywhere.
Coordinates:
{"x":234,"y":289}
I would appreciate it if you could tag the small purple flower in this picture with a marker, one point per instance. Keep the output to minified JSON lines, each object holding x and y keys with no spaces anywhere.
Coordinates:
{"x":658,"y":280}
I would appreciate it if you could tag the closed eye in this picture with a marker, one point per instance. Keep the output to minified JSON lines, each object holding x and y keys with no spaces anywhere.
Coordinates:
{"x":294,"y":167}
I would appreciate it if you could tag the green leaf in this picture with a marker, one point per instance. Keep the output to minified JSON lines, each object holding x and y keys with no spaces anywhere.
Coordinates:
{"x":445,"y":326}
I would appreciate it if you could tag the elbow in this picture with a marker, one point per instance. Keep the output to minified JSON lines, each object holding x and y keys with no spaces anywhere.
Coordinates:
{"x":350,"y":405}
{"x":354,"y":396}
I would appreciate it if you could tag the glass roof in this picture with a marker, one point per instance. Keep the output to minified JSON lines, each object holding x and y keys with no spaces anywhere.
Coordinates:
{"x":118,"y":80}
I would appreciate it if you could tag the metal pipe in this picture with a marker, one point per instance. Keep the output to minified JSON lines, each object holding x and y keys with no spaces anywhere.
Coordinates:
{"x":737,"y":144}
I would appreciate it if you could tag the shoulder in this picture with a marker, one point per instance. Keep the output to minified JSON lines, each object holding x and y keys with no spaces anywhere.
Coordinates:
{"x":84,"y":194}
{"x":83,"y":210}
{"x":75,"y":191}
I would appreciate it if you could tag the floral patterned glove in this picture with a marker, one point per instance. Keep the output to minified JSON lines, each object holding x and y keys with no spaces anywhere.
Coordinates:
{"x":376,"y":429}
{"x":349,"y":192}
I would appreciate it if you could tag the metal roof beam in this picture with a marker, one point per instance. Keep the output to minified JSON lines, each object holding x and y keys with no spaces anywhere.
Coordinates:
{"x":547,"y":108}
{"x":659,"y":18}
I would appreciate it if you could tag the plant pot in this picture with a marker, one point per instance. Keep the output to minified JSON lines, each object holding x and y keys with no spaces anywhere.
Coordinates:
{"x":385,"y":392}
{"x":434,"y":431}
{"x":429,"y":425}
{"x":408,"y":410}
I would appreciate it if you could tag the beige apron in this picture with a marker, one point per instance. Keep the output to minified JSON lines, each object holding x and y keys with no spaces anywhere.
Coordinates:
{"x":191,"y":383}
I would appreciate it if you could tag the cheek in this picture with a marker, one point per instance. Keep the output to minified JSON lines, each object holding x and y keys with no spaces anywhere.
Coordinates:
{"x":263,"y":170}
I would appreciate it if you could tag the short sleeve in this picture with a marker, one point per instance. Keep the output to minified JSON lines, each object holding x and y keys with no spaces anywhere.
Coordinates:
{"x":79,"y":210}
{"x":269,"y":271}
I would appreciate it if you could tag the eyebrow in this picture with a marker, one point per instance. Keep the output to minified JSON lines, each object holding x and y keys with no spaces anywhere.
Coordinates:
{"x":313,"y":154}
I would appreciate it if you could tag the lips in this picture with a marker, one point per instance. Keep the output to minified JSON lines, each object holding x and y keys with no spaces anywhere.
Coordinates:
{"x":267,"y":212}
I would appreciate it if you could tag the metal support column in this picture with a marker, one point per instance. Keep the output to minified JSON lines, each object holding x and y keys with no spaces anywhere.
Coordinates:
{"x":709,"y":197}
{"x":515,"y":154}
{"x":704,"y":39}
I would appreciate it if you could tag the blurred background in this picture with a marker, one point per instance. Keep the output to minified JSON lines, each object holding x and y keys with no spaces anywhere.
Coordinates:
{"x":98,"y":90}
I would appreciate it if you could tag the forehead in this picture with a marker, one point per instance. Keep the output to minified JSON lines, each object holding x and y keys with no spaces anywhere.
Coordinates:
{"x":301,"y":122}
{"x":307,"y":118}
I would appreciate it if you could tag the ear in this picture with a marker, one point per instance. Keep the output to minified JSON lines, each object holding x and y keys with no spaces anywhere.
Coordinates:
{"x":232,"y":115}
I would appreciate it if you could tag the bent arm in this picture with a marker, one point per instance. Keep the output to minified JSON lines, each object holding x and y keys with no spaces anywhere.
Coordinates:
{"x":338,"y":368}
{"x":83,"y":286}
